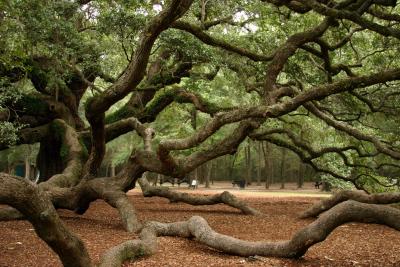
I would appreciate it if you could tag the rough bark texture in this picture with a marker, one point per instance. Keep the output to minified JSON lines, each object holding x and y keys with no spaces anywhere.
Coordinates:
{"x":197,"y":227}
{"x":225,"y":197}
{"x":72,"y":181}
{"x":10,"y":214}
{"x":120,"y":201}
{"x":36,"y":206}
{"x":38,"y":209}
{"x":49,"y":149}
{"x":326,"y":204}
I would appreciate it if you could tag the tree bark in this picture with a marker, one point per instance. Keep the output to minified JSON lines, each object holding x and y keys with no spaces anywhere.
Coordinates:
{"x":259,"y":158}
{"x":49,"y":160}
{"x":38,"y":209}
{"x":283,"y":173}
{"x":208,"y":173}
{"x":225,"y":197}
{"x":269,"y":168}
{"x":248,"y":164}
{"x":326,"y":204}
{"x":197,"y":227}
{"x":300,"y":175}
{"x":27,"y":168}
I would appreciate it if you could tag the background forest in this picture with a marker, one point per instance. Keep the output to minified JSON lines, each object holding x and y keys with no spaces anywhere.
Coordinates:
{"x":97,"y":97}
{"x":101,"y":36}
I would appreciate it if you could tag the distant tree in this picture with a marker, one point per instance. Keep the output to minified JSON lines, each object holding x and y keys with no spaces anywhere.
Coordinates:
{"x":193,"y":80}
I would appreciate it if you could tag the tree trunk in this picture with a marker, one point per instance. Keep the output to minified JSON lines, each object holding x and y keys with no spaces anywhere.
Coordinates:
{"x":27,"y":168}
{"x":202,"y":173}
{"x":208,"y":173}
{"x":231,"y":164}
{"x":283,"y":173}
{"x":248,"y":164}
{"x":301,"y":168}
{"x":301,"y":173}
{"x":269,"y":168}
{"x":49,"y":160}
{"x":259,"y":168}
{"x":112,"y":170}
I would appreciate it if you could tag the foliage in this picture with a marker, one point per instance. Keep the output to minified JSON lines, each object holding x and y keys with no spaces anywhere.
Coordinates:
{"x":46,"y":43}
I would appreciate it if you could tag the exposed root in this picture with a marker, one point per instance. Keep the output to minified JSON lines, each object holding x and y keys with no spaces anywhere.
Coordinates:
{"x":197,"y":227}
{"x":146,"y":245}
{"x":74,"y":159}
{"x":326,"y":204}
{"x":225,"y":197}
{"x":10,"y":214}
{"x":35,"y":205}
{"x":120,"y":201}
{"x":31,"y":201}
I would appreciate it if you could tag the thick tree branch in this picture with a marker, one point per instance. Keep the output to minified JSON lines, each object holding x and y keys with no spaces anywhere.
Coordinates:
{"x":284,"y":52}
{"x":326,"y":204}
{"x":297,"y":246}
{"x":35,"y":205}
{"x":352,"y":16}
{"x":74,"y":153}
{"x":225,"y":197}
{"x":208,"y":39}
{"x":379,"y":145}
{"x":127,"y":82}
{"x":135,"y":71}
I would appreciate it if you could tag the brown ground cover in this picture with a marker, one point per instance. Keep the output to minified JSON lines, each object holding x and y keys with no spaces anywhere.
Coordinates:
{"x":350,"y":245}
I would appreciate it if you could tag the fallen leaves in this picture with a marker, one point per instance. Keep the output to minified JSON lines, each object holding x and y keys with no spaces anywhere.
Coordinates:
{"x":100,"y":228}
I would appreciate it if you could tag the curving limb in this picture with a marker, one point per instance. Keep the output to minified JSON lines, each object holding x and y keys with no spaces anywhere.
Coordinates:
{"x":197,"y":227}
{"x":225,"y":197}
{"x":329,"y":203}
{"x":352,"y":131}
{"x":37,"y":207}
{"x":120,"y":201}
{"x":34,"y":204}
{"x":210,"y":40}
{"x":10,"y":214}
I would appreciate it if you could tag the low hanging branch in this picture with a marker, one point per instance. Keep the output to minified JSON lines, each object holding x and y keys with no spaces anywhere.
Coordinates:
{"x":74,"y":156}
{"x":326,"y":204}
{"x":225,"y":197}
{"x":198,"y":228}
{"x":149,"y":191}
{"x":352,"y":131}
{"x":36,"y":206}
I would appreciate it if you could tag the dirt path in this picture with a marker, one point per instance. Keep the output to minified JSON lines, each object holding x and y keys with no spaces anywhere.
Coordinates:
{"x":350,"y":245}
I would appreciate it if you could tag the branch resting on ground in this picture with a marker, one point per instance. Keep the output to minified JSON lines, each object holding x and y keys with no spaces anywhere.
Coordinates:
{"x":326,"y":204}
{"x":37,"y":207}
{"x":198,"y":228}
{"x":225,"y":197}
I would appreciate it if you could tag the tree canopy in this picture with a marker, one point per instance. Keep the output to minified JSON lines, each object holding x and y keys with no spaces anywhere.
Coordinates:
{"x":193,"y":80}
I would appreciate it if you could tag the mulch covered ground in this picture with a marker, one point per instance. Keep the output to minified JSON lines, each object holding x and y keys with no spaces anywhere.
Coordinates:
{"x":350,"y":245}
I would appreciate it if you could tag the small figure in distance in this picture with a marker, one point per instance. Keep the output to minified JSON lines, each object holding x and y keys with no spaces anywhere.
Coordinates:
{"x":193,"y":184}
